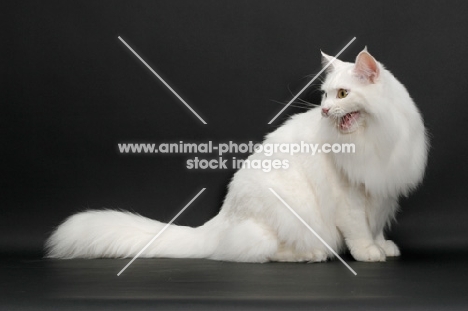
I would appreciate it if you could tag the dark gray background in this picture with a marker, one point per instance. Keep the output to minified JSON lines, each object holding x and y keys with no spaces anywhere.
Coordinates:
{"x":71,"y":91}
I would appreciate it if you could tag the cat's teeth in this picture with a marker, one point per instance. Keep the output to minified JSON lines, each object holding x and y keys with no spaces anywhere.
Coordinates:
{"x":348,"y":120}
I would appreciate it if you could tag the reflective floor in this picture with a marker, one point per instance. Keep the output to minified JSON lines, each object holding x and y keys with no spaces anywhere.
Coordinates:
{"x":421,"y":281}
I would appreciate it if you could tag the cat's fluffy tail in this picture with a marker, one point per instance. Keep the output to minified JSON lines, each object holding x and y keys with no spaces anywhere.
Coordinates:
{"x":114,"y":234}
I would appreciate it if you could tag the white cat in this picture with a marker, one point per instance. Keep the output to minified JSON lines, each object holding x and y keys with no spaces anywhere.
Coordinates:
{"x":348,"y":199}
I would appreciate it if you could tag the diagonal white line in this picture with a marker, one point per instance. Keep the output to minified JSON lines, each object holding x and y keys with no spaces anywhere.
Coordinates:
{"x":313,"y":79}
{"x":160,"y":232}
{"x":312,"y":230}
{"x":162,"y":80}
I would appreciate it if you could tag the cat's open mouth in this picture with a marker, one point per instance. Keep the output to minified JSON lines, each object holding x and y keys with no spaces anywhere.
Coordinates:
{"x":349,"y":121}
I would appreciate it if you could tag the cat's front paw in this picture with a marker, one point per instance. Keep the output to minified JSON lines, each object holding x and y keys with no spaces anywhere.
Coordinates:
{"x":371,"y":253}
{"x":390,"y":248}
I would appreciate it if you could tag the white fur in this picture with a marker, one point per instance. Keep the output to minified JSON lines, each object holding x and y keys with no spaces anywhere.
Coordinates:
{"x":348,"y":199}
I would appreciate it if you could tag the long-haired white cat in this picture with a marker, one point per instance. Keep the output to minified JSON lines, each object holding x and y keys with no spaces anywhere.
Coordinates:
{"x":348,"y":199}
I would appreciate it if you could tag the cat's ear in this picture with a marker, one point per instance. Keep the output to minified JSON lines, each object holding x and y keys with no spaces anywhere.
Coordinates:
{"x":366,"y":67}
{"x":326,"y":59}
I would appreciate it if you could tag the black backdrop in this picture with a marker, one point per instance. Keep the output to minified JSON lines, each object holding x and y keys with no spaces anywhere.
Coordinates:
{"x":71,"y":91}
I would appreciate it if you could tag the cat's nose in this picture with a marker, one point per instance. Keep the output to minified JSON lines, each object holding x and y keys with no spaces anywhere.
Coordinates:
{"x":325,"y":112}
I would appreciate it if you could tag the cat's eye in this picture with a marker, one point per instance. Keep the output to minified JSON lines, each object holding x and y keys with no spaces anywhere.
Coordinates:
{"x":342,"y":93}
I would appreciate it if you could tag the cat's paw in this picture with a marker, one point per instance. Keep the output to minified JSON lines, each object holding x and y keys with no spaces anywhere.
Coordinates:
{"x":288,"y":256}
{"x":390,"y":248}
{"x":371,"y":253}
{"x":317,"y":256}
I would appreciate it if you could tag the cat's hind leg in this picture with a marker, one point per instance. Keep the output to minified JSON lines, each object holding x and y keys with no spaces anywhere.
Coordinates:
{"x":246,"y":241}
{"x":287,"y":254}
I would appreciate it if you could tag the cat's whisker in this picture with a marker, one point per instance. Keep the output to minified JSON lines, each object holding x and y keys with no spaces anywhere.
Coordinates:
{"x":298,"y":104}
{"x":284,"y":104}
{"x":308,"y":103}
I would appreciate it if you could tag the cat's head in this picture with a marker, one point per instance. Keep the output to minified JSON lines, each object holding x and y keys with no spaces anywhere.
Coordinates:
{"x":349,"y":91}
